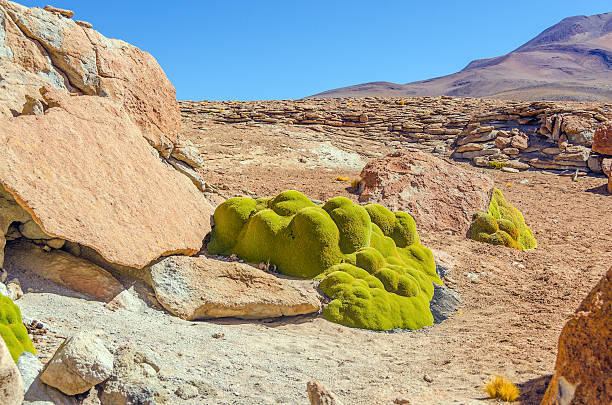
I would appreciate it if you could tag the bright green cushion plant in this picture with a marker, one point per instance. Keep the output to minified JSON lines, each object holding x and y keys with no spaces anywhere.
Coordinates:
{"x":503,"y":225}
{"x":14,"y":334}
{"x":369,"y":260}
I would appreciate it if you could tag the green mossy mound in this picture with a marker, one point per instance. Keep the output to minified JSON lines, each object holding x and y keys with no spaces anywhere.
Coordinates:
{"x":502,"y":225}
{"x":14,"y":334}
{"x":369,"y":260}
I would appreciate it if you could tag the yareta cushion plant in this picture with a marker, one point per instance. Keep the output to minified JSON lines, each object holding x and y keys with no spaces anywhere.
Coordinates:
{"x":370,"y":260}
{"x":14,"y":334}
{"x":503,"y":225}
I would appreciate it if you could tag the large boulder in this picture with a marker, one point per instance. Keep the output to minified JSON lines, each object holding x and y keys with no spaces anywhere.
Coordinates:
{"x":11,"y":383}
{"x":602,"y":141}
{"x":200,"y":288}
{"x":79,"y":113}
{"x":95,"y":181}
{"x":438,"y":194}
{"x":64,"y":269}
{"x":42,"y":48}
{"x":584,"y":359}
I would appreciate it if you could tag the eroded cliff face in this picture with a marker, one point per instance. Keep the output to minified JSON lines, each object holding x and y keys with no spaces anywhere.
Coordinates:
{"x":79,"y":115}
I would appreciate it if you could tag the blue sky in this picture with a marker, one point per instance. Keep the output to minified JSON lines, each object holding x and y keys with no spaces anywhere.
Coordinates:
{"x":259,"y":50}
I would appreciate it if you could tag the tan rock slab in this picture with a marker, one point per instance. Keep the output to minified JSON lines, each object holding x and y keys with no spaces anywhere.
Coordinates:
{"x":64,"y":269}
{"x":199,"y":288}
{"x":96,"y":181}
{"x":584,"y":359}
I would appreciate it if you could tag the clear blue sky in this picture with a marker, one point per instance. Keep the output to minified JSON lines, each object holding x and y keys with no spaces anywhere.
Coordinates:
{"x":284,"y":49}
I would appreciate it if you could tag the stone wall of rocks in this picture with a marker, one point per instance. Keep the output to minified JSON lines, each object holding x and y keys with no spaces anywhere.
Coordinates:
{"x":522,"y":135}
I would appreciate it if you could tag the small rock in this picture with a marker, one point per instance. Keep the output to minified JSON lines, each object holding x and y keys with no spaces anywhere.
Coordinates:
{"x":473,"y":277}
{"x":128,"y":300}
{"x":401,"y":401}
{"x":524,"y":181}
{"x":29,"y":366}
{"x":130,"y":383}
{"x":84,"y":24}
{"x":427,"y":378}
{"x":56,"y":243}
{"x":4,"y":290}
{"x":14,"y":289}
{"x":510,"y":170}
{"x":81,"y":362}
{"x":443,"y":303}
{"x":218,"y":335}
{"x":186,"y":391}
{"x":319,"y":395}
{"x":32,"y":230}
{"x":60,"y":11}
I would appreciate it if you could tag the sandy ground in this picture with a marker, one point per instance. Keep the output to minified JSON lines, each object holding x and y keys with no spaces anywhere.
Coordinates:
{"x":514,"y":303}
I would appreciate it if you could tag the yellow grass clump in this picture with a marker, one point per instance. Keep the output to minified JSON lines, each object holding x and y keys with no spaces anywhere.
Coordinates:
{"x":339,"y":178}
{"x":355,"y":182}
{"x":503,"y":389}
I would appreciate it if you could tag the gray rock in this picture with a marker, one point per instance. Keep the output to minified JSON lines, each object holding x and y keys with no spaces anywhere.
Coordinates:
{"x":81,"y":362}
{"x":29,"y":366}
{"x":442,"y":270}
{"x":132,"y":381}
{"x":444,"y":302}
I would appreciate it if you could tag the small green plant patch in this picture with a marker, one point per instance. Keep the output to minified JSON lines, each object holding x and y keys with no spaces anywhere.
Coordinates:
{"x":503,"y":225}
{"x":14,"y":334}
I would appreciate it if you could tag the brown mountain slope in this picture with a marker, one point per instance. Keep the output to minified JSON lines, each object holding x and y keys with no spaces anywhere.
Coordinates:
{"x":571,"y":60}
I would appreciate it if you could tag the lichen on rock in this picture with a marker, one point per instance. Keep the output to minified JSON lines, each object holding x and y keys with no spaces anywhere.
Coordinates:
{"x":370,"y":261}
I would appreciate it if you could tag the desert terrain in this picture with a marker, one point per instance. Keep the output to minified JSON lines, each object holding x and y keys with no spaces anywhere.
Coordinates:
{"x":110,"y":292}
{"x":514,"y":303}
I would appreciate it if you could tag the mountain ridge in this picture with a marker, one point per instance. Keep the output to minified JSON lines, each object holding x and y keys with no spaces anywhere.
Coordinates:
{"x":571,"y":60}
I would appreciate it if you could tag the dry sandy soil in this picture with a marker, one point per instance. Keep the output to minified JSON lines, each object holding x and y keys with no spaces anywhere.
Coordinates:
{"x":514,"y":303}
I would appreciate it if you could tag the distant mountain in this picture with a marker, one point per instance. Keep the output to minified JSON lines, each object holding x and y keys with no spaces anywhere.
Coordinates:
{"x":571,"y":60}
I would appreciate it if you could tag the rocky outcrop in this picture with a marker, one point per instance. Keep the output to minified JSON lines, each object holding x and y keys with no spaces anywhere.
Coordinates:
{"x":584,"y":359}
{"x":77,"y":111}
{"x":64,"y":269}
{"x":437,"y":193}
{"x":520,"y":134}
{"x":44,"y":48}
{"x":11,"y":383}
{"x":199,"y":288}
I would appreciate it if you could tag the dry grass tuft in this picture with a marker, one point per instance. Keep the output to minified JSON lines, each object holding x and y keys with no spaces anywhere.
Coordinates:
{"x":503,"y":389}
